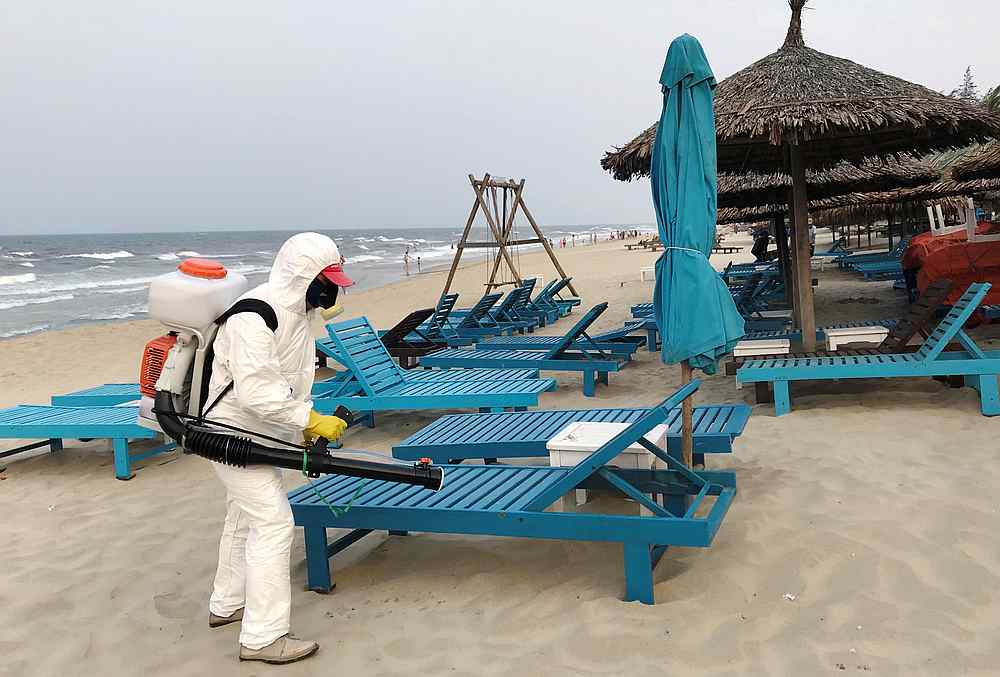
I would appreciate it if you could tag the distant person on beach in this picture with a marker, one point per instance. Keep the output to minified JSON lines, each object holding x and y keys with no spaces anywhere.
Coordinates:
{"x":761,"y":239}
{"x":406,"y":260}
{"x":812,"y":239}
{"x":262,"y":381}
{"x":418,"y":264}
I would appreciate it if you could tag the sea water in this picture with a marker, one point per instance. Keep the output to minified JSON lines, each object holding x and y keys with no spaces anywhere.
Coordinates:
{"x":54,"y":281}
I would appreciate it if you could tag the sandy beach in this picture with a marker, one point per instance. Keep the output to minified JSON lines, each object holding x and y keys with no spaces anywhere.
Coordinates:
{"x":864,"y":538}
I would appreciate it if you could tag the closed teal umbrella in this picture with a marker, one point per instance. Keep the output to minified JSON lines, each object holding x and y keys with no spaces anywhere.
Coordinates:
{"x":694,"y":309}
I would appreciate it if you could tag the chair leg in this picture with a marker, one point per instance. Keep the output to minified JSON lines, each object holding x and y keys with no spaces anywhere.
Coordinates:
{"x":782,"y":398}
{"x":317,"y":560}
{"x":989,"y":398}
{"x":602,"y":377}
{"x":122,"y":469}
{"x":638,"y":573}
{"x":651,"y":340}
{"x":589,"y":383}
{"x":55,"y":444}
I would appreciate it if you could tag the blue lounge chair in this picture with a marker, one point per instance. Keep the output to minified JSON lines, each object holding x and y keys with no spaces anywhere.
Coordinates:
{"x":379,"y":384}
{"x":561,"y":357}
{"x":615,"y":342}
{"x":497,"y":500}
{"x":443,"y":327}
{"x":979,"y":369}
{"x":836,"y":249}
{"x":881,"y":270}
{"x":54,"y":424}
{"x":106,"y":395}
{"x":853,"y":260}
{"x":457,"y":437}
{"x":796,"y":334}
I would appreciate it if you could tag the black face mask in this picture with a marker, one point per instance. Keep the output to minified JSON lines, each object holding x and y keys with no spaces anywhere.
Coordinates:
{"x":321,"y":293}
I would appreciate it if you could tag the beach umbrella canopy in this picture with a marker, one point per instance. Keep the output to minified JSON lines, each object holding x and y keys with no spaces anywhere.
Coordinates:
{"x":694,"y":308}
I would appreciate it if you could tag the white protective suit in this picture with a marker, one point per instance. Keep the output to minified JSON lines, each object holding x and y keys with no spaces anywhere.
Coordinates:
{"x":272,"y":376}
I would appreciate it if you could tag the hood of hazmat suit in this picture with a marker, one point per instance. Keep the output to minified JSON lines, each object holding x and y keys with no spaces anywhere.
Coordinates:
{"x":272,"y":373}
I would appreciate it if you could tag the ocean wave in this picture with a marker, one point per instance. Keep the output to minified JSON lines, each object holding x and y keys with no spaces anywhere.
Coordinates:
{"x":20,"y":303}
{"x":101,"y":266}
{"x":364,"y":239}
{"x":170,"y":256}
{"x":364,"y":258}
{"x":74,"y":286}
{"x":123,"y":314}
{"x":188,"y":254}
{"x":22,"y":332}
{"x":361,"y":246}
{"x":22,"y":253}
{"x":17,"y":279}
{"x":250,"y":270}
{"x":104,"y":256}
{"x":383,"y":238}
{"x":26,"y":264}
{"x":122,"y":290}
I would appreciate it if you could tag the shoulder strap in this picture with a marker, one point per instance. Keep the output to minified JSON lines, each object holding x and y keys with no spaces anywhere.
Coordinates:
{"x":256,"y":306}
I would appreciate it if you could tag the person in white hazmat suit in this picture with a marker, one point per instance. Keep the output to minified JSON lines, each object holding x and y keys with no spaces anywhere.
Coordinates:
{"x":272,"y":376}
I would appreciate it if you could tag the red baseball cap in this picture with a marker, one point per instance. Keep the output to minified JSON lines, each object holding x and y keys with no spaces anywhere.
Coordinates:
{"x":335,"y":273}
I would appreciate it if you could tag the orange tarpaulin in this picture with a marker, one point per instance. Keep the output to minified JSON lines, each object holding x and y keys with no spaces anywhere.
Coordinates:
{"x":953,"y":257}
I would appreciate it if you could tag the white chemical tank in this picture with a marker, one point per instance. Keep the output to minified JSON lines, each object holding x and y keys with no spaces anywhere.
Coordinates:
{"x":191,"y":297}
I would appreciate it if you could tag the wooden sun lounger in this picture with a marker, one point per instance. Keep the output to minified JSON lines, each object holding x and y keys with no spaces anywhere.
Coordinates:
{"x":457,"y":437}
{"x":499,"y":500}
{"x":595,"y":364}
{"x":918,"y":320}
{"x":978,"y":369}
{"x":54,"y":424}
{"x":882,"y":270}
{"x":379,"y":384}
{"x":615,"y":342}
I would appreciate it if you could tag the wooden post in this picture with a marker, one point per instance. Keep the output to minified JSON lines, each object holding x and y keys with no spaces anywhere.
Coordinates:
{"x":889,"y":226}
{"x":800,"y":228}
{"x":545,"y":242}
{"x":793,"y":268}
{"x":687,"y":421}
{"x":781,"y":235}
{"x":871,"y":222}
{"x":461,"y":243}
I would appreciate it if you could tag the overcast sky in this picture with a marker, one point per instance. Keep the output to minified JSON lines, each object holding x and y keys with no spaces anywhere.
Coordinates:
{"x":132,"y":115}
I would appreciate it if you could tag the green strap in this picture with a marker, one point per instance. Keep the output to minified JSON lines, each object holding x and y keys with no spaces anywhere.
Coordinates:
{"x":337,"y":512}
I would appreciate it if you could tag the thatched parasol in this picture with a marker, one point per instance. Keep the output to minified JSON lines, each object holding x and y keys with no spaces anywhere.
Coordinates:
{"x":799,"y":108}
{"x":984,"y":163}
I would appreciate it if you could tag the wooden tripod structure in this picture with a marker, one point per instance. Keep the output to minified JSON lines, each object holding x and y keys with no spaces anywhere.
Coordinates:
{"x":490,"y":194}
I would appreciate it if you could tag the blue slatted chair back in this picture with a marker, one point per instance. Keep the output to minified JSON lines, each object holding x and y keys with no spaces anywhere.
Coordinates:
{"x":529,"y":284}
{"x":474,"y":317}
{"x":558,"y":287}
{"x":951,"y":324}
{"x":362,"y":352}
{"x":613,"y":447}
{"x":439,"y":320}
{"x":578,"y":330}
{"x":543,"y":298}
{"x":503,"y":309}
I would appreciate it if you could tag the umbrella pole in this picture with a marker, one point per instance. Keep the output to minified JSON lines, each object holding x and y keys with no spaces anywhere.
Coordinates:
{"x":687,"y":412}
{"x":800,"y":228}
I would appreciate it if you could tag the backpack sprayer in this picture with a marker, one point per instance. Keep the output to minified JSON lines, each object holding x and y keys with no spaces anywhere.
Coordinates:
{"x":176,"y":368}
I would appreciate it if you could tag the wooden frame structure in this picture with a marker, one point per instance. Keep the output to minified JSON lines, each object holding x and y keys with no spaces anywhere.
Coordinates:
{"x":500,"y":218}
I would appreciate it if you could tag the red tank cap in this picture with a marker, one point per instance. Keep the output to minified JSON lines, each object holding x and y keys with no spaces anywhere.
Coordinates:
{"x":204,"y":268}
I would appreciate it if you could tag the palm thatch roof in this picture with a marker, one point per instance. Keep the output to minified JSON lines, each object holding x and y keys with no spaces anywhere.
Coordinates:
{"x":983,"y":164}
{"x":945,"y":187}
{"x":753,"y":189}
{"x":832,"y":108}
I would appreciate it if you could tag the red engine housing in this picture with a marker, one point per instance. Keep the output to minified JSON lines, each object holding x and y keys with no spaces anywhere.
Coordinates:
{"x":154,"y":356}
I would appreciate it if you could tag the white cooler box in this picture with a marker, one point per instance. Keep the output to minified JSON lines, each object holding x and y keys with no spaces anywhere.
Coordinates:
{"x":579,"y":440}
